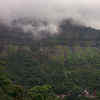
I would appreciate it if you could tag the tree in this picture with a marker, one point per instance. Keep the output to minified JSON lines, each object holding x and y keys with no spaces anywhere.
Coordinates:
{"x":40,"y":92}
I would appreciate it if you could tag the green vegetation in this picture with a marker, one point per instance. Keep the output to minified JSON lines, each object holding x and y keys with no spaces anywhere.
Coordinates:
{"x":24,"y":72}
{"x":55,"y":67}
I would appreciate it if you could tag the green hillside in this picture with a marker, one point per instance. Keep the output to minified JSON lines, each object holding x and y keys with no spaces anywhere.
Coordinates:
{"x":46,"y":68}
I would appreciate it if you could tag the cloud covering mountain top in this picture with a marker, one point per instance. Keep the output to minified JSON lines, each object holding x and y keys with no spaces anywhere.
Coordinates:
{"x":86,"y":11}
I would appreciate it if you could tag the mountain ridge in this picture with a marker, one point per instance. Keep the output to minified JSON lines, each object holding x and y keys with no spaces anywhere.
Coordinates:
{"x":68,"y":31}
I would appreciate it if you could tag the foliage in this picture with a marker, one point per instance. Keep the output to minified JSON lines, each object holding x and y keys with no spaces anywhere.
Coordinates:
{"x":41,"y":92}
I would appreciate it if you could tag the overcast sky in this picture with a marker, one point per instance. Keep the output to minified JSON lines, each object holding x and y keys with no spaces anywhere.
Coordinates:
{"x":87,"y":11}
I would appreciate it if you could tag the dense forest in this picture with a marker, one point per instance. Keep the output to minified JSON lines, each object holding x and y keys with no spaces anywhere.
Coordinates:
{"x":55,"y":67}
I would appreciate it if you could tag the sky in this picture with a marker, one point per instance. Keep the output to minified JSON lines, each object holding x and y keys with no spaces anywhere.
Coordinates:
{"x":86,"y":11}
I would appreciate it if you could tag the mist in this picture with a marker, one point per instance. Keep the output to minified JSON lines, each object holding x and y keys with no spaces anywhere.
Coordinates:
{"x":53,"y":11}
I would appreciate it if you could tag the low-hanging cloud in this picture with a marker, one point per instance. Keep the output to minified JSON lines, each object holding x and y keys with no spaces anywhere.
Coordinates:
{"x":86,"y":11}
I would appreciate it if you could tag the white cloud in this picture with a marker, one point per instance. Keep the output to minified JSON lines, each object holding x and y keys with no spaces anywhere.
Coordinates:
{"x":84,"y":10}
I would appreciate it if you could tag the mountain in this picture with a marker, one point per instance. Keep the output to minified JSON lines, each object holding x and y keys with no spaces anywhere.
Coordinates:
{"x":32,"y":54}
{"x":77,"y":34}
{"x":25,"y":31}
